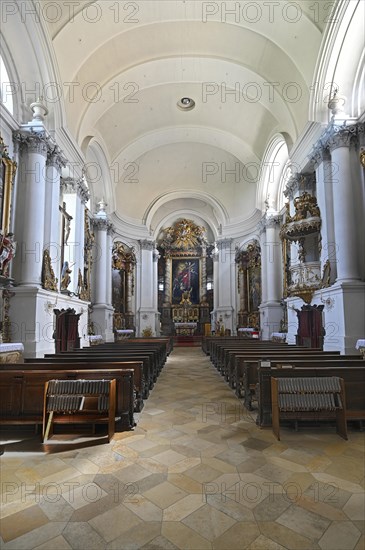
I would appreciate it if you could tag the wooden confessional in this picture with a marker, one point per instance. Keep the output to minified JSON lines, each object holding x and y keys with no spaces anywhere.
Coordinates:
{"x":310,"y":327}
{"x":67,"y":333}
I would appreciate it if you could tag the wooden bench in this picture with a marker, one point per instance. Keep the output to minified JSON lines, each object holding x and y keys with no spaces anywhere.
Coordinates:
{"x":22,"y":393}
{"x":354,"y":378}
{"x":319,"y":398}
{"x":105,"y":358}
{"x":45,"y":364}
{"x":79,"y":402}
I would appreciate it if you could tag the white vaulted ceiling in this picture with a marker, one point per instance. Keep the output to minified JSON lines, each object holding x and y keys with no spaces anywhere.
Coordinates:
{"x":144,"y":56}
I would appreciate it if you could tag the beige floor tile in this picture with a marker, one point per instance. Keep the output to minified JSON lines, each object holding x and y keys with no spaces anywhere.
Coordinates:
{"x":355,"y":507}
{"x":238,"y":537}
{"x":169,"y":458}
{"x":58,"y":543}
{"x":135,"y":539}
{"x":203,"y":473}
{"x":17,"y":524}
{"x":183,"y":508}
{"x":186,"y":483}
{"x":115,"y":522}
{"x":287,"y":537}
{"x":263,"y":543}
{"x":165,"y":494}
{"x":304,"y":522}
{"x":183,"y":537}
{"x":341,"y":535}
{"x":209,"y":522}
{"x":144,"y":508}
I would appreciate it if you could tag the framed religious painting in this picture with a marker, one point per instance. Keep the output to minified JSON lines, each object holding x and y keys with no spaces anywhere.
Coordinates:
{"x":185,"y":277}
{"x":7,"y":173}
{"x":254,"y":288}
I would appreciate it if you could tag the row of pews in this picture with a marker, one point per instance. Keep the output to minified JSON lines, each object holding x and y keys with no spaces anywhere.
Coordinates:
{"x":249,"y":365}
{"x":134,"y":364}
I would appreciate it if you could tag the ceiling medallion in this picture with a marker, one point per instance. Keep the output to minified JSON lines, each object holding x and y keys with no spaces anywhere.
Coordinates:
{"x":186,"y":104}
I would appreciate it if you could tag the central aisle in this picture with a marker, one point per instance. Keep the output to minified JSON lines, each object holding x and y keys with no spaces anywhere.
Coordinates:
{"x":196,"y":473}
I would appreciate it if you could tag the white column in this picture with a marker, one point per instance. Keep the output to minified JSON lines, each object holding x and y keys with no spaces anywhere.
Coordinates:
{"x":343,"y":205}
{"x":108,"y":267}
{"x":323,"y":165}
{"x":271,"y":311}
{"x":226,"y":267}
{"x":273,"y":259}
{"x":100,"y":260}
{"x":55,"y":162}
{"x":102,"y":310}
{"x":148,"y":310}
{"x":32,"y":191}
{"x":156,"y":257}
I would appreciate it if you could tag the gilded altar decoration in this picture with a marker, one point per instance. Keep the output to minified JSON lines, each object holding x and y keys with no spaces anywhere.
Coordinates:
{"x":7,"y":174}
{"x":82,"y":290}
{"x":185,"y":236}
{"x":7,"y":252}
{"x":49,"y":281}
{"x":362,"y":158}
{"x":89,"y":239}
{"x":304,"y":278}
{"x":123,"y":268}
{"x":249,"y":283}
{"x":306,"y":220}
{"x":326,"y":275}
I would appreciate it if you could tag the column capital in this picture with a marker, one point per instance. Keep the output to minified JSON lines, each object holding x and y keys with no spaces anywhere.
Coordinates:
{"x":292,"y":186}
{"x":319,"y":154}
{"x":33,"y":142}
{"x":273,"y":221}
{"x":82,"y":191}
{"x":102,"y":224}
{"x":145,"y":244}
{"x":56,"y":158}
{"x":341,"y":135}
{"x":224,"y":244}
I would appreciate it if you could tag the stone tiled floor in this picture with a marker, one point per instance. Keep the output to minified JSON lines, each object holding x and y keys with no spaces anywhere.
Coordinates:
{"x":196,"y":473}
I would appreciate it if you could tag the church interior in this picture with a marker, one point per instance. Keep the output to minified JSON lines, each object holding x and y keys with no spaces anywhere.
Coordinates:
{"x":182,"y":268}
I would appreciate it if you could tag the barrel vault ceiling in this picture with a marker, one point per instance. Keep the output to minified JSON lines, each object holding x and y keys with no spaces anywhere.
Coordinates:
{"x":127,"y":64}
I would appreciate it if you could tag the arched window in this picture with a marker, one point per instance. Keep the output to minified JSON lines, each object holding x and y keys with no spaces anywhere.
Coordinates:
{"x":6,"y":88}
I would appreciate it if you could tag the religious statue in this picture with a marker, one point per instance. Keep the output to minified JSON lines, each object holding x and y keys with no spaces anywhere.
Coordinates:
{"x":7,"y":252}
{"x":49,"y":281}
{"x":65,"y":276}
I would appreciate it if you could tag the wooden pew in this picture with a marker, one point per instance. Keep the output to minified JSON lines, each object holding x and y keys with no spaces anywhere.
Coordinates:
{"x":106,"y":357}
{"x":22,"y":393}
{"x":246,"y":377}
{"x":354,"y":377}
{"x":45,"y":364}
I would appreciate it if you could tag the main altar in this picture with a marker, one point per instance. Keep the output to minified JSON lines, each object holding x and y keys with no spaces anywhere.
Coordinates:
{"x":183,"y":275}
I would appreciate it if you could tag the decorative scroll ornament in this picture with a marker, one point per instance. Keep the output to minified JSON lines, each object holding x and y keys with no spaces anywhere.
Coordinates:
{"x":49,"y":281}
{"x":184,"y":236}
